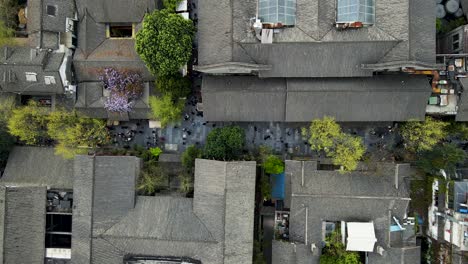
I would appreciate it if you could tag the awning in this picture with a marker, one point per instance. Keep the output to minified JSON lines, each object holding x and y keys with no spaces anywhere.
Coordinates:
{"x":277,"y":186}
{"x":361,"y":237}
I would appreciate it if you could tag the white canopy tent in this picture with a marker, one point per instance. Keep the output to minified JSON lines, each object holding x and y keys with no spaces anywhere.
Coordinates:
{"x":361,"y":237}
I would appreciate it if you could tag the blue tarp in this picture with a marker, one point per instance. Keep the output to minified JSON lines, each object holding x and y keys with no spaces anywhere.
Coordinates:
{"x":277,"y":186}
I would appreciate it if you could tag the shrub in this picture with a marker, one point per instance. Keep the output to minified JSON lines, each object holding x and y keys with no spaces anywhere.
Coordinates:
{"x":155,"y":152}
{"x":224,"y":143}
{"x":273,"y":165}
{"x":189,"y":156}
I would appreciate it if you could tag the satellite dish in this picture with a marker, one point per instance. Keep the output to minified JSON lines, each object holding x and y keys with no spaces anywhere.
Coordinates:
{"x":440,"y":11}
{"x":452,"y":6}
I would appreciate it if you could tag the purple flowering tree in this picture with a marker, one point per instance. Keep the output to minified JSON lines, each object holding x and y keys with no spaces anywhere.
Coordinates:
{"x":124,"y":87}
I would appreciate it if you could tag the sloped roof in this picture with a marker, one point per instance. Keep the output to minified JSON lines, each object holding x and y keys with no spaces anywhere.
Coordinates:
{"x":38,"y":166}
{"x":116,"y":11}
{"x":367,"y":194}
{"x":403,"y":27}
{"x":215,"y":226}
{"x":337,"y":59}
{"x":19,"y":60}
{"x":380,"y":98}
{"x":22,"y":229}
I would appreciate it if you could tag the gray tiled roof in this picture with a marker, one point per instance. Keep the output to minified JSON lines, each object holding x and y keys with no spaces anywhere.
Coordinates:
{"x":22,"y":233}
{"x":321,"y":59}
{"x":367,"y":194}
{"x":216,"y":226}
{"x":38,"y":166}
{"x":116,"y":11}
{"x":224,"y":33}
{"x":287,"y":253}
{"x":380,"y":98}
{"x":20,"y":60}
{"x":406,"y":255}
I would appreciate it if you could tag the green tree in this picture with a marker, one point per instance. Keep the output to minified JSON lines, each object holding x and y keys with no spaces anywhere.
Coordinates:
{"x":28,"y":123}
{"x":165,"y":109}
{"x":79,"y":138}
{"x":323,"y":133}
{"x":445,"y":156}
{"x":6,"y":35}
{"x":347,"y":152}
{"x":273,"y":165}
{"x":58,"y":121}
{"x":224,"y":143}
{"x":171,"y":4}
{"x":174,"y":85}
{"x":165,"y":42}
{"x":189,"y":156}
{"x":420,"y":136}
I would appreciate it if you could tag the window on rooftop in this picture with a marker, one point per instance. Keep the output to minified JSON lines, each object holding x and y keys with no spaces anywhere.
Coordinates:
{"x":277,"y":11}
{"x":31,"y":77}
{"x":49,"y":80}
{"x":356,"y":11}
{"x":51,"y":10}
{"x":120,"y":30}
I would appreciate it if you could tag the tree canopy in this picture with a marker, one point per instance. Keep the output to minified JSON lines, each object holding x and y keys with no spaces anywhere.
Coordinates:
{"x":165,"y":109}
{"x":224,"y":143}
{"x":323,"y":133}
{"x":421,"y":136}
{"x":442,"y":156}
{"x":174,"y":85}
{"x":273,"y":165}
{"x":29,"y":123}
{"x":347,"y":152}
{"x":165,"y":42}
{"x":171,"y":5}
{"x":344,"y":149}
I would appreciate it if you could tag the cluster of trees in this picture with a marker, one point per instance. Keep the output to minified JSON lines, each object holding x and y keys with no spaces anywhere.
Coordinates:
{"x":165,"y":45}
{"x":335,"y":251}
{"x":73,"y":133}
{"x":427,"y":140}
{"x":345,"y":150}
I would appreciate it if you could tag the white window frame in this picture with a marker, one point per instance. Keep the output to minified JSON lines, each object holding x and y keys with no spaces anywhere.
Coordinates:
{"x":31,"y":76}
{"x":49,"y":80}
